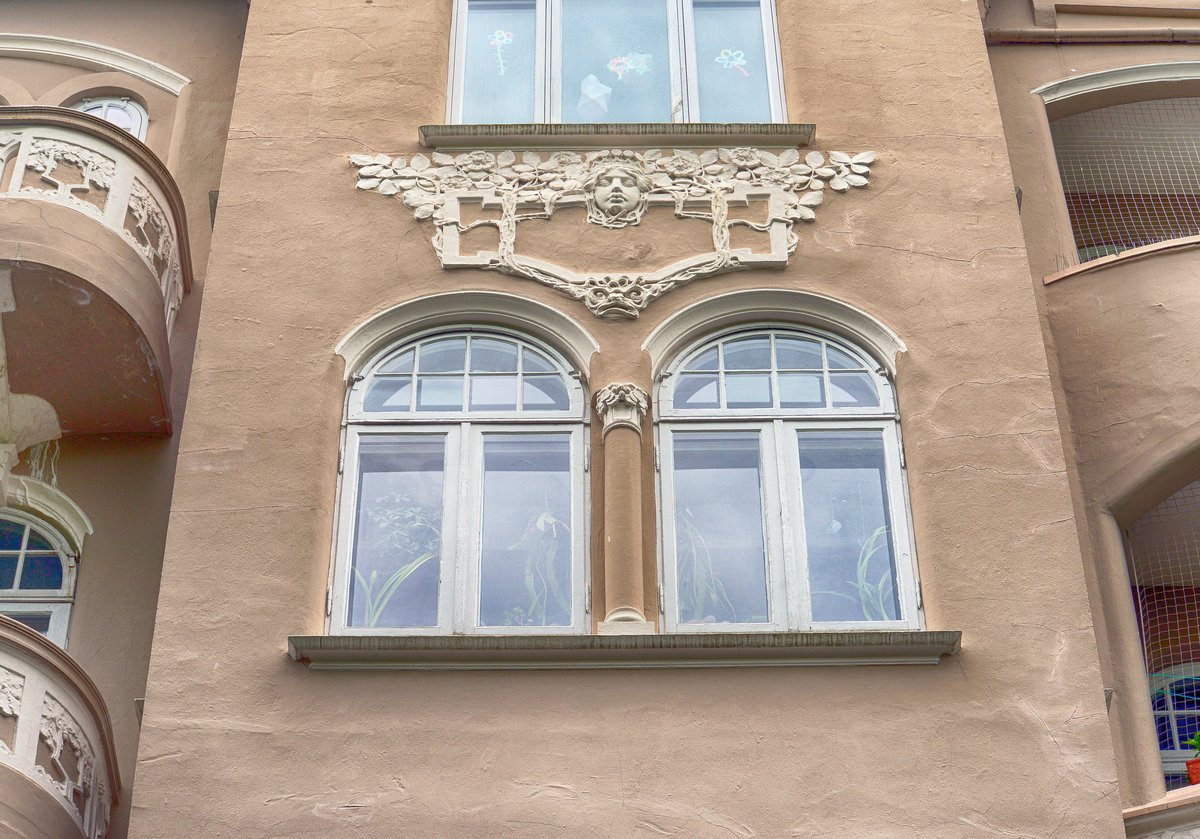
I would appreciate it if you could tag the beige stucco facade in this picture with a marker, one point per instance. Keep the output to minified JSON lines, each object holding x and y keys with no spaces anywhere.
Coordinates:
{"x":1043,"y":407}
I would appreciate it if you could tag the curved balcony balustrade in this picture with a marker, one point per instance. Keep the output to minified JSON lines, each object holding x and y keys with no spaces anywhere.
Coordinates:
{"x":94,"y":235}
{"x":58,"y":767}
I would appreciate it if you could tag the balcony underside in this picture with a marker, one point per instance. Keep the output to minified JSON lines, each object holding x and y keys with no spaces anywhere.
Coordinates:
{"x":30,"y":812}
{"x":88,"y":334}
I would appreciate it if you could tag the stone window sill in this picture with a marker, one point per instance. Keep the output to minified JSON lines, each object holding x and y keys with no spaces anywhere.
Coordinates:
{"x":1177,"y":810}
{"x":586,"y":652}
{"x":620,"y":135}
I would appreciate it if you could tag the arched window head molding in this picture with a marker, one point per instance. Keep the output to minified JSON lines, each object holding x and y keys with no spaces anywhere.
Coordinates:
{"x":51,"y":505}
{"x":777,"y":306}
{"x":1109,"y":87}
{"x":478,"y":308}
{"x":92,"y":56}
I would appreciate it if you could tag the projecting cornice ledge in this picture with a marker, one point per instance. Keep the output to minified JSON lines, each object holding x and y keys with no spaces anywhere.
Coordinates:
{"x":589,"y":652}
{"x":624,"y":135}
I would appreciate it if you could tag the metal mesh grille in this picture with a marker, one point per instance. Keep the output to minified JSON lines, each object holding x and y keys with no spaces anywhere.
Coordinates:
{"x":1164,"y":550}
{"x":1131,"y":174}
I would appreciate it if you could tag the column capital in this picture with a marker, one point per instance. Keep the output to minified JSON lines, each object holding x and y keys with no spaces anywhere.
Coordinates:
{"x":622,"y":404}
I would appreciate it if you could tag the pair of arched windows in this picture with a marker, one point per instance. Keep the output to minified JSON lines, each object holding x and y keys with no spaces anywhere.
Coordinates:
{"x":464,"y":493}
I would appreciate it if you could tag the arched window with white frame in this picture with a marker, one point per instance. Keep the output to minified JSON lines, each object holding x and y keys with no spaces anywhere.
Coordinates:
{"x":37,"y":574}
{"x":462,"y":496}
{"x":783,"y":500}
{"x":121,"y":111}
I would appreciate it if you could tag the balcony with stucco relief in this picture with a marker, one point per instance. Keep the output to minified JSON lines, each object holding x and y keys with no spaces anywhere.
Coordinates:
{"x":58,"y":767}
{"x":95,"y":259}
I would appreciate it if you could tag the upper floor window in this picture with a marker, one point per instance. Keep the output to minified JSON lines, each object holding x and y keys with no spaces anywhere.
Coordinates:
{"x":782,"y":491}
{"x":583,"y":61}
{"x":122,"y":112}
{"x":1130,"y":174}
{"x":37,"y":575}
{"x":462,"y":505}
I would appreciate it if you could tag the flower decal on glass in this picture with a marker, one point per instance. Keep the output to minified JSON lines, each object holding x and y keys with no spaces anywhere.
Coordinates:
{"x":733,"y":60}
{"x":500,"y":39}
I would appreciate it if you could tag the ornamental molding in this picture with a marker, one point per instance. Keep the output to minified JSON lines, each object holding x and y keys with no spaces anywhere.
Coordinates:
{"x":622,"y":404}
{"x":616,"y":188}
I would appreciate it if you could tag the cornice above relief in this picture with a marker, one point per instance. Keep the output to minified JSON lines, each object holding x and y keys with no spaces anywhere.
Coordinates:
{"x":616,"y":188}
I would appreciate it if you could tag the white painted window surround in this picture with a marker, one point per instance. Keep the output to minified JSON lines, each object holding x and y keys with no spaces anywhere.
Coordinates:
{"x":782,"y":497}
{"x":92,"y":56}
{"x":615,"y":61}
{"x":462,"y":500}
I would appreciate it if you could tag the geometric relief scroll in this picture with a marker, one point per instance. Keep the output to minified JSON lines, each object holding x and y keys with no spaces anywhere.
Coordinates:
{"x":502,"y":191}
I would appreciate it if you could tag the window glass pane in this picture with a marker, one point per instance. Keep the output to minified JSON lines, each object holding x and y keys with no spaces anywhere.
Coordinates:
{"x":854,"y":390}
{"x":8,"y":571}
{"x":1185,"y":694}
{"x":748,"y":354}
{"x":439,"y":393}
{"x":798,"y":354}
{"x":388,"y":394}
{"x":447,"y":355}
{"x":697,"y":391}
{"x":37,"y":542}
{"x":42,"y":571}
{"x":490,"y":355}
{"x":397,"y":542}
{"x":839,"y":360}
{"x":11,"y":534}
{"x":731,"y":61}
{"x":801,"y":390}
{"x":1186,"y":725}
{"x":38,"y":622}
{"x":616,"y":66}
{"x":535,"y":362}
{"x":720,"y":554}
{"x":525,"y":571}
{"x":402,"y":363}
{"x":499,"y":68}
{"x":493,"y":393}
{"x":707,"y":360}
{"x":545,"y":393}
{"x":748,"y":390}
{"x":847,"y":526}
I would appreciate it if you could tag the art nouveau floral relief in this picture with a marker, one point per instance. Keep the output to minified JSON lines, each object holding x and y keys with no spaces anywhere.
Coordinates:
{"x":616,"y":187}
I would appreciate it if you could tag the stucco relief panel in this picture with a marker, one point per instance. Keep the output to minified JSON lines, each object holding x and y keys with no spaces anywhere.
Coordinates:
{"x":616,"y":188}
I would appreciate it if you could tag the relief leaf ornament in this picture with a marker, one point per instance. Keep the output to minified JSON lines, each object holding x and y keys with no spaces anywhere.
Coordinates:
{"x":616,"y":187}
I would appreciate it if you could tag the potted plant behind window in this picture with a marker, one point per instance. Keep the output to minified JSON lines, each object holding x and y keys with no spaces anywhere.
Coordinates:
{"x":1193,"y":765}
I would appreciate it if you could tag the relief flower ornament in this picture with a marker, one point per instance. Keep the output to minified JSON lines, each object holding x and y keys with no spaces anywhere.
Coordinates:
{"x":422,"y":181}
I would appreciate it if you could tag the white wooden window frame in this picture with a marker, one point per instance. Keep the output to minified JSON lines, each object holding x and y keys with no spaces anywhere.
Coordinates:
{"x":681,"y":28}
{"x":140,"y":118}
{"x":462,"y":497}
{"x":1174,"y":761}
{"x":789,"y":600}
{"x":55,"y":602}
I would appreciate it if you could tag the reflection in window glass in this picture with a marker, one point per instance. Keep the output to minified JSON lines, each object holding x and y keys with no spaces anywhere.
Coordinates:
{"x":720,"y":553}
{"x":499,"y":73}
{"x":731,"y":62}
{"x":398,"y":535}
{"x":525,"y":573}
{"x":616,"y":64}
{"x":847,"y":526}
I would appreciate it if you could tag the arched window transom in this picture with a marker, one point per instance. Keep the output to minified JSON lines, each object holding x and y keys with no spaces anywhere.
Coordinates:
{"x":121,"y":111}
{"x":37,"y":575}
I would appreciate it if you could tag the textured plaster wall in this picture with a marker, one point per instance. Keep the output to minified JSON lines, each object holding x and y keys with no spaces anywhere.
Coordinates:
{"x":1009,"y":738}
{"x":1123,"y":351}
{"x":124,"y":483}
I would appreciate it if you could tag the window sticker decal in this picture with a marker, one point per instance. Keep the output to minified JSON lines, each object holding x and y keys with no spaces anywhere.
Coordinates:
{"x":733,"y":60}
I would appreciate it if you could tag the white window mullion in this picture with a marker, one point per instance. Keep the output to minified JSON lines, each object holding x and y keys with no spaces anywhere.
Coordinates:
{"x":553,"y":61}
{"x":774,"y":511}
{"x":774,"y":59}
{"x":542,"y":65}
{"x":579,"y":541}
{"x":795,"y":551}
{"x":689,"y":92}
{"x":669,"y":566}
